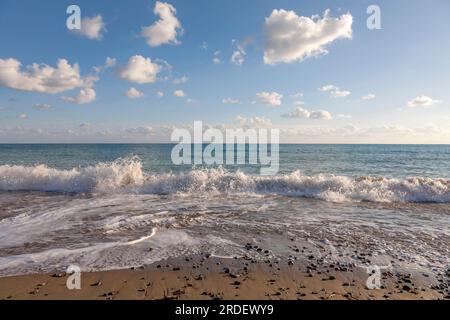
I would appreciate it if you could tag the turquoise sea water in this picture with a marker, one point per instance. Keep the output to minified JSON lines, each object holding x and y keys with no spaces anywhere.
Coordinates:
{"x":350,"y":160}
{"x":103,"y":206}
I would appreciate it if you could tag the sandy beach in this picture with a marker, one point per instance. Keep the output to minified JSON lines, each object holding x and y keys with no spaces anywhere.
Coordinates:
{"x":202,"y":277}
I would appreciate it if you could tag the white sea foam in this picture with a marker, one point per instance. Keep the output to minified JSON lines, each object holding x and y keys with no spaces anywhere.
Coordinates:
{"x":127,"y":176}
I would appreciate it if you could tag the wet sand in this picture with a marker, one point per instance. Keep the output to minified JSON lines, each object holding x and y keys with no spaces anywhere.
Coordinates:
{"x":203,"y":277}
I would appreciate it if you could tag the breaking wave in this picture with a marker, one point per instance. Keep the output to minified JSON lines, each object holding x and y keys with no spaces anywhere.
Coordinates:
{"x":126,"y":175}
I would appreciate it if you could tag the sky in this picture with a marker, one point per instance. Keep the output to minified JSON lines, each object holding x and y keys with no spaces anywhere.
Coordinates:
{"x":138,"y":69}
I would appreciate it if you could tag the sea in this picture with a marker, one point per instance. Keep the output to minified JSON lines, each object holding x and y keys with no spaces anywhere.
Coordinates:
{"x":113,"y":206}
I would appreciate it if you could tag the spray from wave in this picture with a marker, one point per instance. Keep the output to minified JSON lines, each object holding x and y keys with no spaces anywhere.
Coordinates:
{"x":126,"y":175}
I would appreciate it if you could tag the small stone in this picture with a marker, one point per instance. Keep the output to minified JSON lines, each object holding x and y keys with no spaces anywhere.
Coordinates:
{"x":96,"y":284}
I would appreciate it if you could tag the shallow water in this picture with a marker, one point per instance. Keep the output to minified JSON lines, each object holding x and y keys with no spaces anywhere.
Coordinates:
{"x":78,"y":204}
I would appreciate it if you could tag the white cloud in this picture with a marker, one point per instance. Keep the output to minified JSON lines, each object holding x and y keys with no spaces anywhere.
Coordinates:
{"x":181,"y":80}
{"x":109,"y":63}
{"x":300,"y":112}
{"x":160,"y":94}
{"x":334,"y":91}
{"x":238,"y":56}
{"x":85,"y":95}
{"x":290,"y":37}
{"x":22,"y":116}
{"x":41,"y":77}
{"x":230,"y":101}
{"x":255,"y":122}
{"x":344,"y":116}
{"x":166,"y":29}
{"x":133,"y":93}
{"x":140,"y":70}
{"x":369,"y":96}
{"x":422,"y":101}
{"x":273,"y":99}
{"x":42,"y":106}
{"x":144,"y":130}
{"x":91,"y":28}
{"x":297,"y":95}
{"x":179,"y":93}
{"x":216,"y":59}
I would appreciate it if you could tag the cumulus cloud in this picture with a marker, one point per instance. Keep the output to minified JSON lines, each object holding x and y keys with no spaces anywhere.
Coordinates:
{"x":273,"y":99}
{"x":344,"y":116}
{"x":297,"y":95}
{"x":22,"y":116}
{"x":179,"y":93}
{"x":300,"y":112}
{"x":109,"y":63}
{"x":216,"y":59}
{"x":180,"y":80}
{"x":334,"y":91}
{"x":290,"y":37}
{"x":230,"y":101}
{"x":422,"y":101}
{"x":369,"y":96}
{"x":85,"y":95}
{"x":255,"y":122}
{"x":133,"y":93}
{"x":42,"y":106}
{"x":91,"y":28}
{"x":140,"y":70}
{"x":41,"y":77}
{"x":238,"y":56}
{"x":166,"y":29}
{"x":160,"y":94}
{"x":143,"y":130}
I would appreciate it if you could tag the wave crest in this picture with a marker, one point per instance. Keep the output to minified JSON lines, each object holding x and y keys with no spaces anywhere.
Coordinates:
{"x":126,"y":175}
{"x":104,"y":177}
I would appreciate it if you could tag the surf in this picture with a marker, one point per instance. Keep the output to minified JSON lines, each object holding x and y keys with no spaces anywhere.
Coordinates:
{"x":127,"y":176}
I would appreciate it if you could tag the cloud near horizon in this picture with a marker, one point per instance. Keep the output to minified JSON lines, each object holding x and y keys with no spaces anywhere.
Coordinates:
{"x":300,"y":112}
{"x":422,"y":101}
{"x":273,"y":99}
{"x":334,"y":91}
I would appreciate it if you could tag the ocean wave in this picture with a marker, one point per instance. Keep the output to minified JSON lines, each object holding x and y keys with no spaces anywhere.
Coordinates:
{"x":127,"y":176}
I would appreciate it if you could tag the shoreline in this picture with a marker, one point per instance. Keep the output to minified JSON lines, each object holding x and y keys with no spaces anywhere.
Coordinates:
{"x":202,"y":277}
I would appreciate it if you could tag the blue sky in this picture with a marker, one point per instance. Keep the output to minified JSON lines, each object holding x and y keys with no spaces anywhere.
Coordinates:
{"x":403,"y":67}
